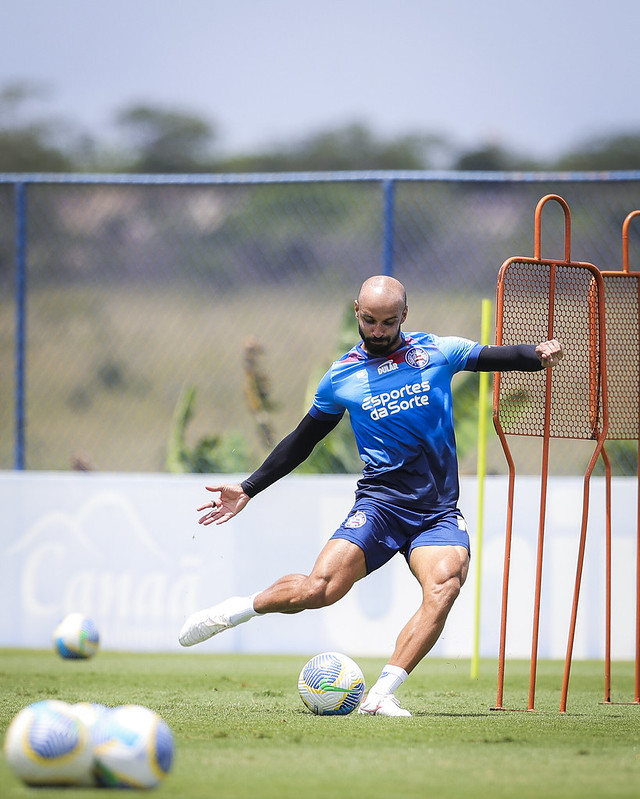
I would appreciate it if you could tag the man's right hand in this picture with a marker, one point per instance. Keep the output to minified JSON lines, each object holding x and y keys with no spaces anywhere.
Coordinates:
{"x":231,"y":501}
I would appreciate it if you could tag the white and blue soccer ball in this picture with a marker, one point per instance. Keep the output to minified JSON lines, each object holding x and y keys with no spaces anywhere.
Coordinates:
{"x":90,"y":714}
{"x":48,"y":744}
{"x":133,"y":748}
{"x":331,"y":684}
{"x":76,"y":637}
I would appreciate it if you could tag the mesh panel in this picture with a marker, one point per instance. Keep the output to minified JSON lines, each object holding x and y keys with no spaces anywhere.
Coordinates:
{"x":622,"y":335}
{"x":540,"y":300}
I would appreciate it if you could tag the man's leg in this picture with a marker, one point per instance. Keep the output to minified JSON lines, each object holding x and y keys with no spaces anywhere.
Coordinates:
{"x":340,"y":564}
{"x":441,"y":571}
{"x":337,"y":568}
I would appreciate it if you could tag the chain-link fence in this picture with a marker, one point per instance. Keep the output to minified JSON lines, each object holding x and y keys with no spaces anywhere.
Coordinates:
{"x":182,"y":322}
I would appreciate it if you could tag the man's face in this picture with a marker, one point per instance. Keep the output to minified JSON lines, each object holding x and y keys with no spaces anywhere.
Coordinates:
{"x":379,"y":327}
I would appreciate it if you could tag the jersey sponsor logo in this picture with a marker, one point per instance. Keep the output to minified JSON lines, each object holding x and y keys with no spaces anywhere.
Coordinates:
{"x":417,"y":357}
{"x":357,"y":520}
{"x":387,"y":366}
{"x":388,"y":403}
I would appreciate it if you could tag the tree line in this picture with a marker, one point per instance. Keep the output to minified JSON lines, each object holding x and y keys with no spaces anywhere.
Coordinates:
{"x":158,"y":139}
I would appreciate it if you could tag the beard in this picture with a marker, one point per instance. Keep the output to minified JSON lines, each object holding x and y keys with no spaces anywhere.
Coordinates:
{"x":380,"y":346}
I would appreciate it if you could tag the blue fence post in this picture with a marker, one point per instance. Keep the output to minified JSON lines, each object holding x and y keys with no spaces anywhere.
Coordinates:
{"x":21,"y":324}
{"x":388,"y":186}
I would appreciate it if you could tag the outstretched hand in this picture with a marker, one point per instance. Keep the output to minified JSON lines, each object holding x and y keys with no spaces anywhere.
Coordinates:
{"x":549,"y":353}
{"x":231,"y":501}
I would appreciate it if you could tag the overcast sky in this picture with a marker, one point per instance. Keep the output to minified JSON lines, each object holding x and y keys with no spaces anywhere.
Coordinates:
{"x":538,"y":77}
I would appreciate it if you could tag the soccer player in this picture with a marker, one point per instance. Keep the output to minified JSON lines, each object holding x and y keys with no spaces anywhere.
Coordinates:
{"x":397,"y":389}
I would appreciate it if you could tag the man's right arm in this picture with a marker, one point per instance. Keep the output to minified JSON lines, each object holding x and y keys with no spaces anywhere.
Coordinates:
{"x":289,"y":453}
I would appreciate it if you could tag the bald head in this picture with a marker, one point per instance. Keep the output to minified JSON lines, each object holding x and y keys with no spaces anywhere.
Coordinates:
{"x":382,"y":288}
{"x":380,"y":309}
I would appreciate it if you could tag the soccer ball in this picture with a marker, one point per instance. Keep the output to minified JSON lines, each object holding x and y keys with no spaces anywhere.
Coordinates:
{"x":48,"y":744}
{"x":133,"y":748}
{"x":90,"y":714}
{"x":331,"y":684}
{"x":76,"y":637}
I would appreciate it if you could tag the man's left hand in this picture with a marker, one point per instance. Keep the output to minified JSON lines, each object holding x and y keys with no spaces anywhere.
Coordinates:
{"x":549,"y":353}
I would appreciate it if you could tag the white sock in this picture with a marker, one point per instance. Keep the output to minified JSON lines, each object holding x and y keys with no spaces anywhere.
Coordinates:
{"x":390,"y":679}
{"x":243,"y":609}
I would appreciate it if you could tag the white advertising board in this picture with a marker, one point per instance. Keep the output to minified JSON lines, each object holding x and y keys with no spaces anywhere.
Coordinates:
{"x":127,"y":551}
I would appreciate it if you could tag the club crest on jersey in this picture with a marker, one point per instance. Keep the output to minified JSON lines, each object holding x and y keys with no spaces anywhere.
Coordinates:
{"x":357,"y":520}
{"x":417,"y":357}
{"x":387,"y":366}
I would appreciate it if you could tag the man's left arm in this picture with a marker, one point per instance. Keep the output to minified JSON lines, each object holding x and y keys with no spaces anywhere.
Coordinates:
{"x":519,"y":357}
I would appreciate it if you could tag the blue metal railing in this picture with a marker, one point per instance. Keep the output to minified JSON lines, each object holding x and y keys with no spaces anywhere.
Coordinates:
{"x":21,"y":323}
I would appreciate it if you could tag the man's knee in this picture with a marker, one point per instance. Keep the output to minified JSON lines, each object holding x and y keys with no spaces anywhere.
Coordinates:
{"x":323,"y":590}
{"x":444,"y":587}
{"x":444,"y":592}
{"x":337,"y":568}
{"x":450,"y":589}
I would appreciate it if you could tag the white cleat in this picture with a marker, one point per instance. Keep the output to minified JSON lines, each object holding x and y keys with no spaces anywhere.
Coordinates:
{"x":382,"y":705}
{"x":204,"y":624}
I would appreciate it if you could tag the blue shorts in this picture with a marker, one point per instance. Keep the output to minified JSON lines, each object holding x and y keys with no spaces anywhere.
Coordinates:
{"x":381,"y":530}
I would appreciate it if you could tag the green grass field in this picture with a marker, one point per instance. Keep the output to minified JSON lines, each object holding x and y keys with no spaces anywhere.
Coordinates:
{"x":242,"y":731}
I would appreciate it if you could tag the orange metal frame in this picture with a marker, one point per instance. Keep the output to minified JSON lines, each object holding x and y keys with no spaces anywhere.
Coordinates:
{"x":597,"y":392}
{"x":607,"y":463}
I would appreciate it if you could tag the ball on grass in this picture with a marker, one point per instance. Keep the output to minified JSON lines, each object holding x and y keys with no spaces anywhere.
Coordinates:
{"x":133,"y":748}
{"x":48,"y":744}
{"x":76,"y":637}
{"x":331,"y":684}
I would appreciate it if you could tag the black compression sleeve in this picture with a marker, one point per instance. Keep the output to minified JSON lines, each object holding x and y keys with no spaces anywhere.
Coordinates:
{"x":289,"y":453}
{"x":509,"y":357}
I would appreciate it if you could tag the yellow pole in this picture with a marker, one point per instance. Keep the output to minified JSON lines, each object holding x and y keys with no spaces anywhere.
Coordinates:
{"x":483,"y":391}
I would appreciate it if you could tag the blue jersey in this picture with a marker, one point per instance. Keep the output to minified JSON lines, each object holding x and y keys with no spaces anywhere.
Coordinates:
{"x":400,"y":408}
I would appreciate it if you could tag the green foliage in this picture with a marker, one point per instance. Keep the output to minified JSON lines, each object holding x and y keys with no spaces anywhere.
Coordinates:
{"x":170,"y":140}
{"x":27,"y":149}
{"x":223,"y":453}
{"x":258,"y":393}
{"x":623,"y":456}
{"x":211,"y":454}
{"x":165,"y":140}
{"x":609,"y":153}
{"x":27,"y":144}
{"x":465,"y":389}
{"x":492,"y":158}
{"x":337,"y":453}
{"x":352,"y":146}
